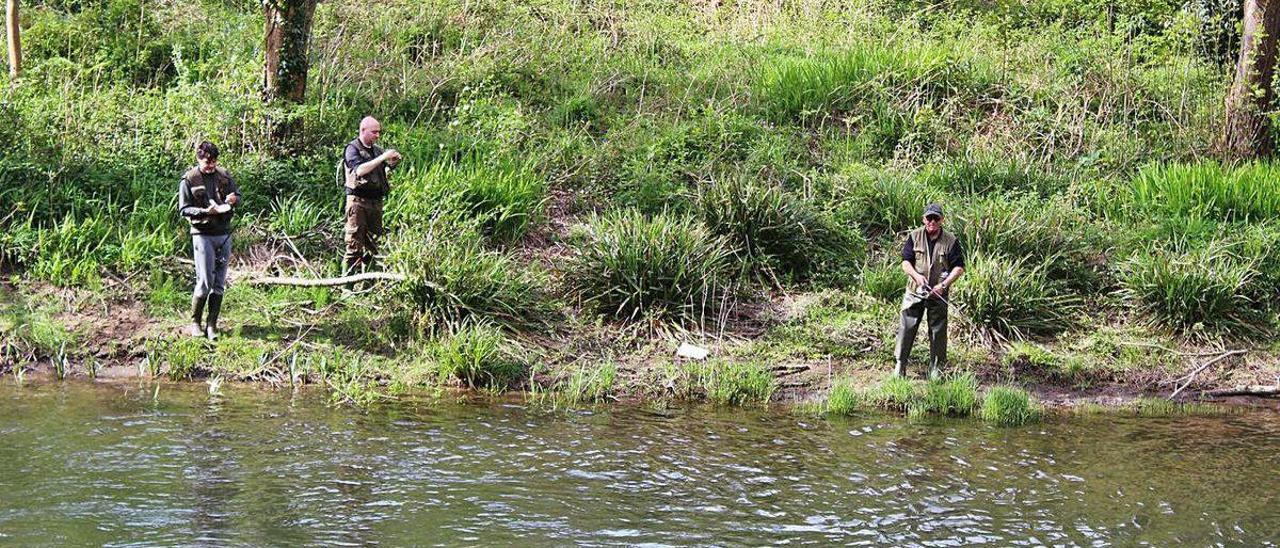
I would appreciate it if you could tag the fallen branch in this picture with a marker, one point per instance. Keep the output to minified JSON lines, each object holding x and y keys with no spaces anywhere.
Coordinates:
{"x":1192,"y":376}
{"x":326,"y":282}
{"x":1257,"y":390}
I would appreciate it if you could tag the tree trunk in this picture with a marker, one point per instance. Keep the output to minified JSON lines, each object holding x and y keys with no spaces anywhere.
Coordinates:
{"x":1247,"y":134}
{"x":285,"y":74}
{"x":15,"y":39}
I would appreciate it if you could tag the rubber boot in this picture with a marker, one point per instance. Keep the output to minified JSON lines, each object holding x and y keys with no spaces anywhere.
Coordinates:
{"x":197,"y":314}
{"x":215,"y":307}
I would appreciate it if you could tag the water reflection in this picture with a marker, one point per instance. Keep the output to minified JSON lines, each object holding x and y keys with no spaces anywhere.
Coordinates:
{"x":85,"y":464}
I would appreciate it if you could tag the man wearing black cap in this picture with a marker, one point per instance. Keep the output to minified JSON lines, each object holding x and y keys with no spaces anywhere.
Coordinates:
{"x":933,"y":262}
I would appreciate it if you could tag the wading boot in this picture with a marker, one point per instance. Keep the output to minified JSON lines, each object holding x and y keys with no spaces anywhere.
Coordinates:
{"x":215,"y":307}
{"x":197,"y":314}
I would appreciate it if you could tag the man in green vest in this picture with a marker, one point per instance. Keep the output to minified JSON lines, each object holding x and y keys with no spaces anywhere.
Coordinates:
{"x":933,"y":262}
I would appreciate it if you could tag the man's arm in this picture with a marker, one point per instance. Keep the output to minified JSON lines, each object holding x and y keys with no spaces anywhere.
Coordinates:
{"x":185,"y":199}
{"x":233,"y":196}
{"x":361,"y":167}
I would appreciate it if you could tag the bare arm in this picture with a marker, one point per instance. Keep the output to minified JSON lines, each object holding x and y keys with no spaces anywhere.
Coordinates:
{"x":910,"y":270}
{"x":389,"y":156}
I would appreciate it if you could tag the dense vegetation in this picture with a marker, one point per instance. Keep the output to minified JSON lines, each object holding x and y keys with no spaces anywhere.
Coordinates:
{"x":581,"y":177}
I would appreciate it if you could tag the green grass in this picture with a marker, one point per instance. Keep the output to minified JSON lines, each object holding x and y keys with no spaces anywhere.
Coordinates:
{"x":631,"y":266}
{"x":844,"y":398}
{"x":1160,"y":407}
{"x":1205,"y":292}
{"x":735,"y":383}
{"x":480,"y":356}
{"x":503,"y":196}
{"x":777,"y":236}
{"x":585,"y":384}
{"x":453,"y":277}
{"x":1009,"y":406}
{"x":1250,"y":192}
{"x":1013,"y":298}
{"x":952,"y":396}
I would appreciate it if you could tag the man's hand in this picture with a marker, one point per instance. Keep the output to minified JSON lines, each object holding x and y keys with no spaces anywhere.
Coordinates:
{"x":392,"y":156}
{"x":937,"y":291}
{"x":211,"y":210}
{"x":920,"y":281}
{"x":233,"y":199}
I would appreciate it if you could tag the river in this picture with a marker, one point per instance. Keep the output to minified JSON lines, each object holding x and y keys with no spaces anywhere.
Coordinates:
{"x":126,"y":464}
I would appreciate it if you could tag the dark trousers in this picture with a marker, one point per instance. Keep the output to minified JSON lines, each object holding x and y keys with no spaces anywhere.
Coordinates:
{"x":362,"y":231}
{"x":913,"y":309}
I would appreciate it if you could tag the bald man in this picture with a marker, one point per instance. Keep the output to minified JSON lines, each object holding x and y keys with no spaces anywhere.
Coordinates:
{"x":366,"y":186}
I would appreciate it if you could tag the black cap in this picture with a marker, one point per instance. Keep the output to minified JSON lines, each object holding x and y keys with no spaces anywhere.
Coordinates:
{"x":933,"y":209}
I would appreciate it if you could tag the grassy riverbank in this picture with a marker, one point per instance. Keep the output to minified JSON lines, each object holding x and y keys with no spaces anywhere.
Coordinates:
{"x":587,"y":186}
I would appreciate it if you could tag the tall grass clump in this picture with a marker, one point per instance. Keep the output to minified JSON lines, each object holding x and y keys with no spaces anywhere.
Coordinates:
{"x":772,"y":231}
{"x":1009,"y":406}
{"x":295,"y":216}
{"x":953,"y":396}
{"x":884,"y":201}
{"x":586,"y":384}
{"x":832,"y":81}
{"x":452,"y":277}
{"x":884,"y":279}
{"x":631,"y":266}
{"x":1203,"y":291}
{"x":988,"y":174}
{"x":735,"y":383}
{"x":1249,"y":192}
{"x":1051,"y":231}
{"x":504,"y":196}
{"x":479,"y":356}
{"x":844,"y":398}
{"x":894,"y":393}
{"x":1012,"y":298}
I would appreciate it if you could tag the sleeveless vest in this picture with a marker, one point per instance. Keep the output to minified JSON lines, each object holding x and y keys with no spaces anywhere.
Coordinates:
{"x":201,"y":194}
{"x":931,"y":266}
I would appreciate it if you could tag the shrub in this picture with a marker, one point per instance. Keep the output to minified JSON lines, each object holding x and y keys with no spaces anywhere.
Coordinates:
{"x":452,"y":277}
{"x":1012,"y":298}
{"x":631,"y":266}
{"x":479,"y":355}
{"x":1009,"y":406}
{"x":771,"y":230}
{"x":1250,"y":192}
{"x":1203,"y":291}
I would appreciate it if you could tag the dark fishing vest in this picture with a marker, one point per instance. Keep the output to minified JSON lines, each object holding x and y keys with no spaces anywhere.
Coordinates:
{"x":201,"y":194}
{"x":930,"y":265}
{"x":373,"y":185}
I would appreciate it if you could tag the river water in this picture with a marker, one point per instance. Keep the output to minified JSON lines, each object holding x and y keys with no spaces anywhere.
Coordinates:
{"x":99,"y":464}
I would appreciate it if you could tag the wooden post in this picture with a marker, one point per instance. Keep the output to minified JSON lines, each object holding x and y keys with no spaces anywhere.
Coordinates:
{"x":15,"y":41}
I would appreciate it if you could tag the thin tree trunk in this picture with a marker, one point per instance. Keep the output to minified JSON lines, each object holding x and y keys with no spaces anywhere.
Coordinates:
{"x":288,"y":34}
{"x":1247,"y":132}
{"x":15,"y":39}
